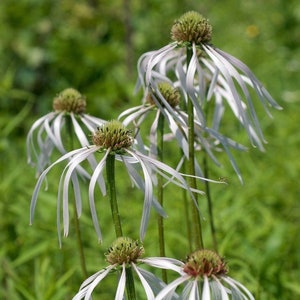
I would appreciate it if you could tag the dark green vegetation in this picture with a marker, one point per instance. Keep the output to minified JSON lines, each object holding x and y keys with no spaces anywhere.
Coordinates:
{"x":93,"y":46}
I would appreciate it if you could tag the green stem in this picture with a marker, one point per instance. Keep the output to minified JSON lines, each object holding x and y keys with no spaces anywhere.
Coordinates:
{"x":110,"y":173}
{"x":160,"y":193}
{"x":70,"y":133}
{"x":79,"y":243}
{"x":130,"y":289}
{"x":197,"y":227}
{"x":210,"y":204}
{"x":187,"y":215}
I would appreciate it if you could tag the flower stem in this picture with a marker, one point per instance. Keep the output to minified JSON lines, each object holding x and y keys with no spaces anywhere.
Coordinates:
{"x":209,"y":204}
{"x":70,"y":133}
{"x":187,"y":214}
{"x":160,"y":193}
{"x":197,"y":227}
{"x":110,"y":173}
{"x":130,"y":289}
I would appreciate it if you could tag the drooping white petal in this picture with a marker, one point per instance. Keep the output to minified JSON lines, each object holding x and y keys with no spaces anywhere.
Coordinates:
{"x":121,"y":285}
{"x":155,"y":59}
{"x":164,"y":263}
{"x":79,"y":132}
{"x":88,"y":286}
{"x":194,"y":293}
{"x":30,"y":141}
{"x":138,"y":181}
{"x":148,"y":193}
{"x":91,"y":122}
{"x":69,"y":169}
{"x":171,"y":287}
{"x":146,"y":286}
{"x":221,"y":288}
{"x":235,"y":96}
{"x":234,"y":74}
{"x":238,"y":286}
{"x":205,"y":289}
{"x":92,"y":184}
{"x":134,"y":113}
{"x":155,"y":283}
{"x":42,"y":178}
{"x":56,"y":137}
{"x":91,"y":159}
{"x":256,"y":84}
{"x":153,"y":135}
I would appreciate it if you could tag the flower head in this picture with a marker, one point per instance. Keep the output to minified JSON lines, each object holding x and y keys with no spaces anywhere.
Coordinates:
{"x":124,"y":250}
{"x":191,"y":28}
{"x":112,"y":135}
{"x":205,"y":263}
{"x":170,"y":94}
{"x":205,"y":277}
{"x":46,"y":134}
{"x":71,"y":101}
{"x":124,"y":256}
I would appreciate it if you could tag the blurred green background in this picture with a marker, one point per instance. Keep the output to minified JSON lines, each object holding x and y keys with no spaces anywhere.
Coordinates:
{"x":93,"y":46}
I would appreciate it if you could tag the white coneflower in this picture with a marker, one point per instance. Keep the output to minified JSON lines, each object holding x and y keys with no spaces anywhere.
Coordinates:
{"x":125,"y":256}
{"x":46,"y":133}
{"x":207,"y":74}
{"x":204,"y":275}
{"x":112,"y":138}
{"x":165,"y":102}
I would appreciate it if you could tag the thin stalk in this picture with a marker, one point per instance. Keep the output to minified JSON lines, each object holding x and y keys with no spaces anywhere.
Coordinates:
{"x":70,"y":133}
{"x":197,"y":227}
{"x":209,"y":204}
{"x":160,"y":192}
{"x":111,"y":182}
{"x":207,"y":192}
{"x":110,"y":173}
{"x":130,"y":289}
{"x":187,"y":215}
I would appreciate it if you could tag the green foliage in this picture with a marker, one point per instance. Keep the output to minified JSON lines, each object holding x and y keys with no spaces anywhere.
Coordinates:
{"x":93,"y":46}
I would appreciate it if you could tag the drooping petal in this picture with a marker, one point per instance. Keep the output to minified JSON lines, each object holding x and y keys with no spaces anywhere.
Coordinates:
{"x":30,"y":141}
{"x":88,"y":286}
{"x":138,"y":180}
{"x":94,"y":179}
{"x":42,"y":178}
{"x":68,"y":171}
{"x":221,"y":288}
{"x":56,"y":137}
{"x":146,"y":286}
{"x":148,"y":194}
{"x":205,"y":289}
{"x":171,"y":287}
{"x":121,"y":286}
{"x":91,"y":122}
{"x":164,"y":263}
{"x":256,"y":84}
{"x":238,"y":286}
{"x":155,"y":283}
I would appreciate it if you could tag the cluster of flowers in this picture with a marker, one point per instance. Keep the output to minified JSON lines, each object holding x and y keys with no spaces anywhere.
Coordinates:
{"x":205,"y":76}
